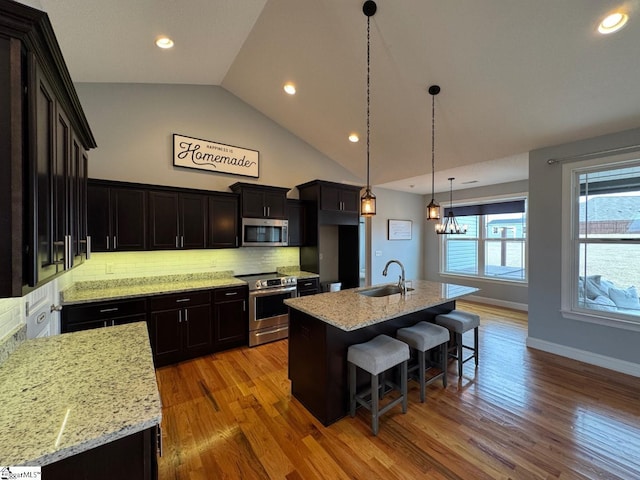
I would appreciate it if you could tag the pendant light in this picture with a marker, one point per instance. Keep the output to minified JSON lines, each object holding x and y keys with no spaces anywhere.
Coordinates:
{"x":433,"y":209}
{"x":368,"y":200}
{"x":450,"y":225}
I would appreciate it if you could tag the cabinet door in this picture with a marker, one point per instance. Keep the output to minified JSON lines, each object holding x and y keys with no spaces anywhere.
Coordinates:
{"x":296,"y":217}
{"x":165,"y":335}
{"x":163,"y":221}
{"x":193,"y":219}
{"x":196,"y":329}
{"x":350,"y":200}
{"x":61,"y":175}
{"x":223,"y":222}
{"x":276,"y":204}
{"x":73,"y":198}
{"x":83,"y":228}
{"x":329,"y":198}
{"x":231,"y":323}
{"x":99,"y":217}
{"x":253,"y":205}
{"x":129,"y":207}
{"x":44,"y":125}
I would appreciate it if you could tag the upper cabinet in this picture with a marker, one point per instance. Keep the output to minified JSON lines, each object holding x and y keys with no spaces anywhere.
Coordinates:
{"x":44,"y":137}
{"x":261,"y":201}
{"x":223,"y":221}
{"x":177,"y":220}
{"x":116,"y":216}
{"x":336,"y":203}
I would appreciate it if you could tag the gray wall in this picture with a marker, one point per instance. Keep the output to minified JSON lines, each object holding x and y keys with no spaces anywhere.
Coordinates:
{"x":546,"y":324}
{"x":394,"y":205}
{"x":514,"y":295}
{"x":134,"y":123}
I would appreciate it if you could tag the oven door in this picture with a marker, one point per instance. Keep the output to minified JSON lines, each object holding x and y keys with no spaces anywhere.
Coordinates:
{"x":268,"y":315}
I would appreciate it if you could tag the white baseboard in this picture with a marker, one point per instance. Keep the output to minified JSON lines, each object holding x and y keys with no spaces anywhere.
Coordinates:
{"x":591,"y":358}
{"x":498,"y":303}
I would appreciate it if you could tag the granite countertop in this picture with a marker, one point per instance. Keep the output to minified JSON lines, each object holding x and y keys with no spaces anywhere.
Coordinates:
{"x":102,"y":290}
{"x":349,"y":310}
{"x":66,"y":394}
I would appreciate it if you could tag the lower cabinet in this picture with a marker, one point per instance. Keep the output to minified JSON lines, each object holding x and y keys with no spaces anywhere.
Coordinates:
{"x":308,"y":286}
{"x":230,"y":317}
{"x":132,"y":457}
{"x":103,"y":314}
{"x":180,"y":326}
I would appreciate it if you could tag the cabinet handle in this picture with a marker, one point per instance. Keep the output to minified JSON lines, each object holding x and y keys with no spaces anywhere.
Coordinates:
{"x":244,"y":305}
{"x":186,"y":315}
{"x":56,"y":308}
{"x":179,"y":316}
{"x":236,"y":240}
{"x":183,"y":300}
{"x":264,"y":211}
{"x":88,"y":248}
{"x":107,"y":242}
{"x":176,"y":241}
{"x":68,"y":252}
{"x":105,"y":310}
{"x":228,"y":294}
{"x":105,"y":323}
{"x":268,"y":211}
{"x":159,"y":439}
{"x":307,"y":284}
{"x":182,"y":241}
{"x":115,"y":245}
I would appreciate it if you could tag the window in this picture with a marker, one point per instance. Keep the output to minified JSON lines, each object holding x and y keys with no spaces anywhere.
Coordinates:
{"x":605,"y":239}
{"x":495,"y":243}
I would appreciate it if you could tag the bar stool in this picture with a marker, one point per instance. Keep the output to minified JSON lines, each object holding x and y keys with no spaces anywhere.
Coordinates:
{"x":459,"y":322}
{"x":422,"y":337}
{"x":375,"y":357}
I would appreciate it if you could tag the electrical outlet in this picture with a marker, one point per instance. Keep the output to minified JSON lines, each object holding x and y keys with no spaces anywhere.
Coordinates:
{"x":378,"y":253}
{"x":109,"y":268}
{"x":321,"y":256}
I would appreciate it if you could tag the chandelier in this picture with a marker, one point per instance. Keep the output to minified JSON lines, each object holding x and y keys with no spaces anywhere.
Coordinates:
{"x":450,"y":225}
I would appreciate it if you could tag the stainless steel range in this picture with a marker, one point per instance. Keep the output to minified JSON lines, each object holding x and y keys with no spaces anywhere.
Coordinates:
{"x":268,"y":315}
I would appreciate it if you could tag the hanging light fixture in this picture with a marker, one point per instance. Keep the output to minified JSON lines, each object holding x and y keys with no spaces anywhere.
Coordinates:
{"x":450,"y":225}
{"x":433,"y":209}
{"x":368,"y":200}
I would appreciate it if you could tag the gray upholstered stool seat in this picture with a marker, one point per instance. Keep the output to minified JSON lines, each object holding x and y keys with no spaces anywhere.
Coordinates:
{"x":459,"y":322}
{"x":422,"y":337}
{"x":375,"y":357}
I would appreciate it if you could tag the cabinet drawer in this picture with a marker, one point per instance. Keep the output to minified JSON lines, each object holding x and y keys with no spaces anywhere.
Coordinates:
{"x":180,"y":300}
{"x":308,"y":284}
{"x":231,"y":293}
{"x":104,"y":310}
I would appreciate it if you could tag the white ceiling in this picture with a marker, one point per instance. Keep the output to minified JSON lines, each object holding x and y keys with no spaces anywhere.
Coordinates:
{"x":515,"y":74}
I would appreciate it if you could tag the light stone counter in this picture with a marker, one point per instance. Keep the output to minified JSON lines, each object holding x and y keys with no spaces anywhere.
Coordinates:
{"x":102,"y":290}
{"x":349,"y":310}
{"x":66,"y":394}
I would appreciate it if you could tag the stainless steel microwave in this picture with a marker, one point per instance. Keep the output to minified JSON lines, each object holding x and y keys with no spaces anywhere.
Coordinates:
{"x":265,"y":232}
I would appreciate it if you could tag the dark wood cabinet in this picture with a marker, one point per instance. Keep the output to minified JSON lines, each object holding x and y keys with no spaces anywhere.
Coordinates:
{"x":336,"y":203}
{"x":116,"y":217}
{"x":230,"y":317}
{"x":132,"y":457}
{"x":40,"y":116}
{"x":103,"y":314}
{"x":296,"y":214}
{"x":177,"y":220}
{"x":180,"y":326}
{"x":261,"y":201}
{"x":223,"y":221}
{"x":308,"y":286}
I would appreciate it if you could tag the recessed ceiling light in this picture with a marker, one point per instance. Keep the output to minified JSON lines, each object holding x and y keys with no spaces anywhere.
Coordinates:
{"x":613,"y":23}
{"x":164,"y":42}
{"x":290,"y":88}
{"x":354,"y":138}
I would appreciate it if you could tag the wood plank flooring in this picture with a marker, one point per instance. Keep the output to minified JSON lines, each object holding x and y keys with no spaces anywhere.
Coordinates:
{"x":522,"y":414}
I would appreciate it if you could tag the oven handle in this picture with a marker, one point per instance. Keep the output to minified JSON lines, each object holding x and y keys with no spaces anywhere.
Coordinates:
{"x":271,"y":291}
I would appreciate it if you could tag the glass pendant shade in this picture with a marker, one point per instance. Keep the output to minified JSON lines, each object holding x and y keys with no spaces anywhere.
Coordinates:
{"x":368,"y":204}
{"x":433,"y":210}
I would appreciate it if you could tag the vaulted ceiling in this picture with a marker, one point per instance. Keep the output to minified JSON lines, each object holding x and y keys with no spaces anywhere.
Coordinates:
{"x":515,"y":74}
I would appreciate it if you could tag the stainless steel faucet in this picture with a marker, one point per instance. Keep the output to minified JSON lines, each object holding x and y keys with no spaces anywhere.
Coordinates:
{"x":401,"y":280}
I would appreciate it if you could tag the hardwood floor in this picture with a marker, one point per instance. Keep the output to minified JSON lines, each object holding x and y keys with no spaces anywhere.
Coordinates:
{"x":522,"y":414}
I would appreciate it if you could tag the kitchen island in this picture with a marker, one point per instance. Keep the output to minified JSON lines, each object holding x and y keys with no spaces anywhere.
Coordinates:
{"x":82,"y":405}
{"x":323,"y":326}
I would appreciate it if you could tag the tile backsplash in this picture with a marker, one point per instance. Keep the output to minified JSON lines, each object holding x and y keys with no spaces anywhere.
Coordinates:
{"x":241,"y":261}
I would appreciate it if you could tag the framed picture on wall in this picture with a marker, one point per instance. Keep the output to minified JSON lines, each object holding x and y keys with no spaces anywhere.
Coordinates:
{"x":399,"y":230}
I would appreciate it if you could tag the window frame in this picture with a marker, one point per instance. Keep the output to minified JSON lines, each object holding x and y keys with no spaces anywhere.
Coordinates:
{"x":570,"y":268}
{"x":482,"y":239}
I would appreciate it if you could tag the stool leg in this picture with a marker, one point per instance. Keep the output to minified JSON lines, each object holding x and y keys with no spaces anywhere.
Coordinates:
{"x":459,"y":341}
{"x":375,"y":404}
{"x":443,"y":359}
{"x":352,"y":389}
{"x":421,"y":374}
{"x":475,"y":343}
{"x":403,"y":383}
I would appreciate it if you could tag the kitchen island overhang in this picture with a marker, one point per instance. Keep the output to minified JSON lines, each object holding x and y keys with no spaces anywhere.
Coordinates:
{"x":323,"y":326}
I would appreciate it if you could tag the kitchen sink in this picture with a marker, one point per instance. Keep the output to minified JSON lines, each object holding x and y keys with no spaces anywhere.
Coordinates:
{"x":382,"y":291}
